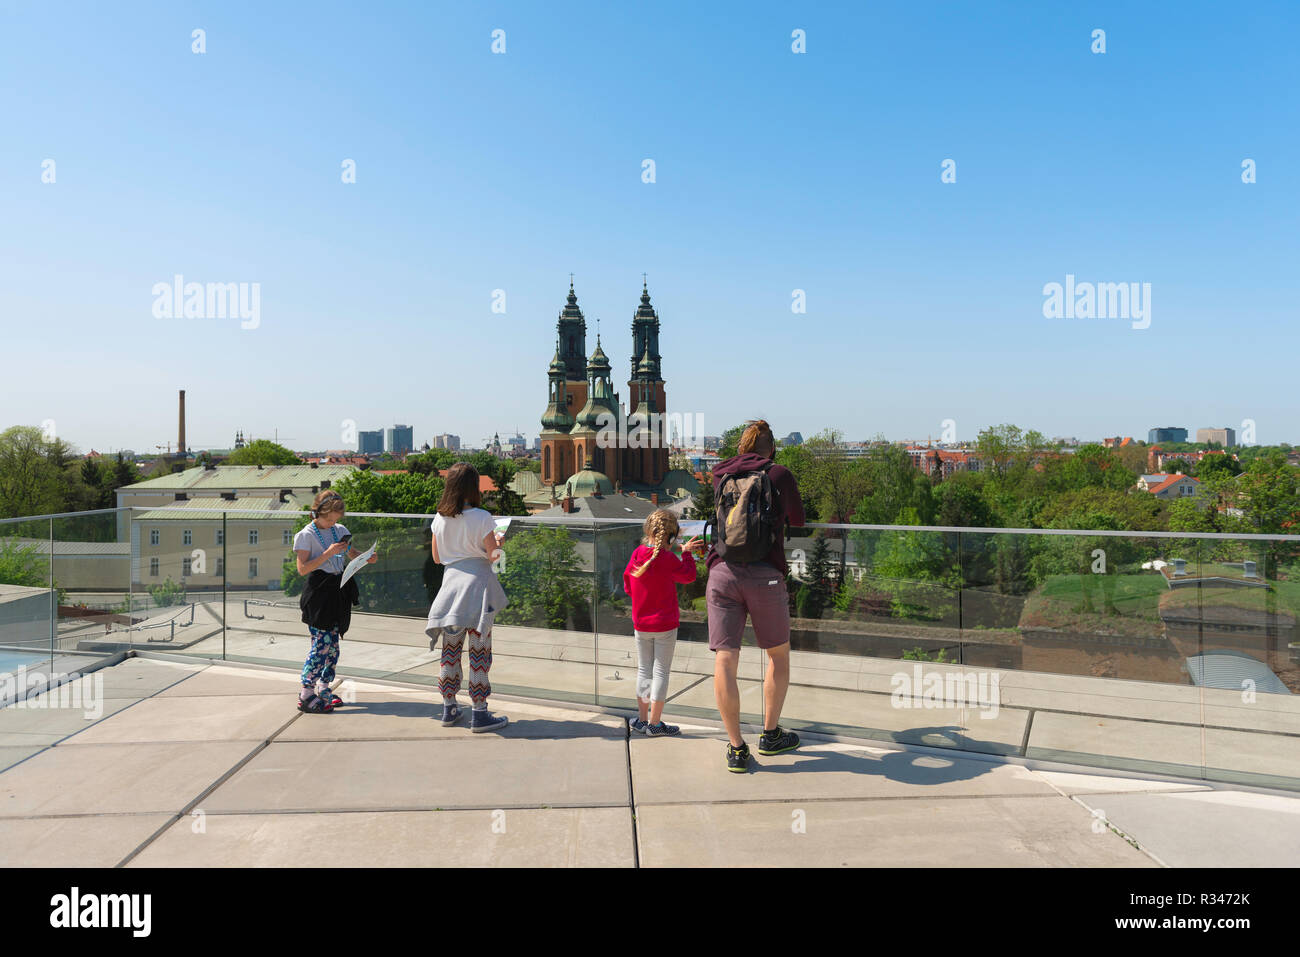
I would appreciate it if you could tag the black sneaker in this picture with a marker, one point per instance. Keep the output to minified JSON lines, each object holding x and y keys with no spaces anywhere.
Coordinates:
{"x":777,"y":742}
{"x":738,"y":758}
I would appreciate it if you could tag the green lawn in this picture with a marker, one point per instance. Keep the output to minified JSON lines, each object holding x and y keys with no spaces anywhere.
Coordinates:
{"x":1124,"y":604}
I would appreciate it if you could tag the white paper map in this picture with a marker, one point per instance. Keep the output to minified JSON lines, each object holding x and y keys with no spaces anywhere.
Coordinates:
{"x":354,"y":566}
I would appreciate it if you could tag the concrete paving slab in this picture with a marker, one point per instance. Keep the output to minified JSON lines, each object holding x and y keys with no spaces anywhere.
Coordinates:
{"x":476,"y":771}
{"x":693,"y":769}
{"x":12,"y":754}
{"x":45,"y":715}
{"x":93,"y":841}
{"x":107,"y":779}
{"x":203,"y":718}
{"x":418,"y":714}
{"x":224,"y":680}
{"x":533,"y":837}
{"x":133,"y":678}
{"x":141,"y":677}
{"x":21,"y":739}
{"x":972,"y":832}
{"x":1208,"y":829}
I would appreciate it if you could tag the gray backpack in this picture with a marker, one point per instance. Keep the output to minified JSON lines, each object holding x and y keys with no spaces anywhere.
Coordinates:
{"x":746,"y":517}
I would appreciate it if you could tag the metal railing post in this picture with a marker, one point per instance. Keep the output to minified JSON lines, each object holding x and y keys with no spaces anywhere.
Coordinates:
{"x":225,"y":577}
{"x":54,"y":599}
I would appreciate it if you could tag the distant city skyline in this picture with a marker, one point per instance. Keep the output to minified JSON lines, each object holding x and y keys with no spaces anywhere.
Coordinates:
{"x":886,"y":224}
{"x":529,"y":440}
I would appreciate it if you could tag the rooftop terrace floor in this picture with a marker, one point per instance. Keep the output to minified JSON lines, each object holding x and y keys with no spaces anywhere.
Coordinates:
{"x":210,"y":765}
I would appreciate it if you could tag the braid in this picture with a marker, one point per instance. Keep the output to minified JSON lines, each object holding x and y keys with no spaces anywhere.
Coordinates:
{"x":656,"y":531}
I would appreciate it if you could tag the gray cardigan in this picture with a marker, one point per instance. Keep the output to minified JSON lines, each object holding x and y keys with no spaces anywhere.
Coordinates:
{"x":470,"y":597}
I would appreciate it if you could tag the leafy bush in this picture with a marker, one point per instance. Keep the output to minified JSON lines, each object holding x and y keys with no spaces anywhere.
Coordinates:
{"x":940,"y":656}
{"x":23,"y":565}
{"x":167,"y":594}
{"x":543,"y":579}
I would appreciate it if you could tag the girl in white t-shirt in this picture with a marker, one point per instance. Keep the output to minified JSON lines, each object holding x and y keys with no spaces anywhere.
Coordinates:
{"x":322,"y":549}
{"x":464,"y":538}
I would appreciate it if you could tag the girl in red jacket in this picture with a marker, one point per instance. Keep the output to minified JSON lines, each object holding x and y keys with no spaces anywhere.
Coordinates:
{"x":651,"y":579}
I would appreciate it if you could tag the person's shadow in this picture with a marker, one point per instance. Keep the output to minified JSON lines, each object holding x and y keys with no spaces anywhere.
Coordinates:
{"x":906,"y":767}
{"x":530,"y":728}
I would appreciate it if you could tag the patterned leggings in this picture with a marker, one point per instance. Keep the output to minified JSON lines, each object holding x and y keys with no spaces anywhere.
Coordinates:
{"x":322,"y":658}
{"x":480,"y":662}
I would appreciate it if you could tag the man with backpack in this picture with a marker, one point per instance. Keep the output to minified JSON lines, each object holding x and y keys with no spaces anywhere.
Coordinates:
{"x":755,"y":499}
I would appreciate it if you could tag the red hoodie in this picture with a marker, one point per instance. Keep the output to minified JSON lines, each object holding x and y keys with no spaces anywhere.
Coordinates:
{"x":654,"y":594}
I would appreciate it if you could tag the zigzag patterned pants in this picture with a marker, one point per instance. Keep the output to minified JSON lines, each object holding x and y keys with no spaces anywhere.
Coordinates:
{"x":480,"y":662}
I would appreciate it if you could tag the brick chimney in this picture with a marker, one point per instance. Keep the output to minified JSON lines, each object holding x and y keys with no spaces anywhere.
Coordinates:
{"x":654,"y":499}
{"x":567,"y":504}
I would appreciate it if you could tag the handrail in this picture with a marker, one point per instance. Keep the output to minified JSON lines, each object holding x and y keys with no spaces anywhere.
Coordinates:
{"x":838,"y":526}
{"x":172,"y":620}
{"x":974,"y":529}
{"x":37,"y":518}
{"x":265,"y":604}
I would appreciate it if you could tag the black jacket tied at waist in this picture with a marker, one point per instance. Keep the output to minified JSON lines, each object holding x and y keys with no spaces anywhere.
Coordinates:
{"x":326,"y":605}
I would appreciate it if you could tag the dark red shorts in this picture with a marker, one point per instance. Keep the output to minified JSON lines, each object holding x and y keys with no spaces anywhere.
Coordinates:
{"x":756,"y":590}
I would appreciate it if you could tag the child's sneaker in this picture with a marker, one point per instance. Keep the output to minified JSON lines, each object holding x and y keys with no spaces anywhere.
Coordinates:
{"x":637,"y":726}
{"x":738,"y":758}
{"x":486,"y":721}
{"x":450,"y":713}
{"x":662,"y":729}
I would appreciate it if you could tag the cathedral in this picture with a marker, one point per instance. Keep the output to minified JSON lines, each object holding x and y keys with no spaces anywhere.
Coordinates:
{"x":591,"y":445}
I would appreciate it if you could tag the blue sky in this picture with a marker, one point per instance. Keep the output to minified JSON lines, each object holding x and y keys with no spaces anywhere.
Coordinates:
{"x":775,"y":171}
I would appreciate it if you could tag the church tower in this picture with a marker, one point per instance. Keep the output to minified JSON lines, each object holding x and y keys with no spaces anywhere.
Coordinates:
{"x":567,"y":393}
{"x":572,"y":330}
{"x":598,"y":415}
{"x":557,"y":453}
{"x":646,"y":393}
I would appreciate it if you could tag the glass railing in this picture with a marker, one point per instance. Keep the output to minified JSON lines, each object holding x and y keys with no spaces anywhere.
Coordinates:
{"x":64,"y":598}
{"x":1151,"y":652}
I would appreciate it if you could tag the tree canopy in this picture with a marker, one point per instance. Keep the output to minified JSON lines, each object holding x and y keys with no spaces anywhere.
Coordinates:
{"x":263,"y":452}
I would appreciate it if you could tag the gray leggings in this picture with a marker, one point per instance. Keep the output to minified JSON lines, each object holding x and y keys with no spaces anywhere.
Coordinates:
{"x":654,"y":649}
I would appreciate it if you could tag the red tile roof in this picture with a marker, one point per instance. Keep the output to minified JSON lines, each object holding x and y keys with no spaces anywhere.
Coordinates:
{"x":485,"y":483}
{"x":1171,"y":481}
